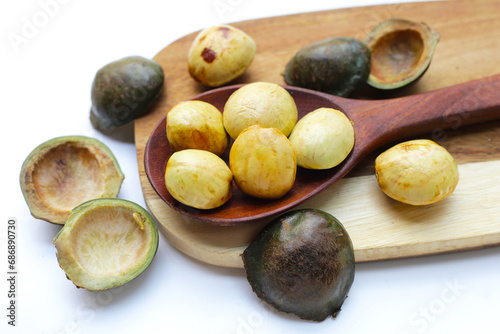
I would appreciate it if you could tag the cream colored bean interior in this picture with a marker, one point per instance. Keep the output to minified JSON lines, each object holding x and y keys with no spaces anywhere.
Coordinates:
{"x":67,"y":176}
{"x":107,"y":242}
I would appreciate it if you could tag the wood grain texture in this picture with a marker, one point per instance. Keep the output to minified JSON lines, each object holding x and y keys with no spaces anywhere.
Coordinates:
{"x":469,"y":48}
{"x":375,"y":122}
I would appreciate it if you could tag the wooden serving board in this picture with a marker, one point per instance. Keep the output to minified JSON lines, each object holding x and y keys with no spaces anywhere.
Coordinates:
{"x":380,"y":228}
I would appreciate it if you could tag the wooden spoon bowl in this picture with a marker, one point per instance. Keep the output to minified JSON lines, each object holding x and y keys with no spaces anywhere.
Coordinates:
{"x":376,"y":123}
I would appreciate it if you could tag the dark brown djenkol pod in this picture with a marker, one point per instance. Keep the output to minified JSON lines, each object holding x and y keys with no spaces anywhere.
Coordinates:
{"x":302,"y":263}
{"x":338,"y":66}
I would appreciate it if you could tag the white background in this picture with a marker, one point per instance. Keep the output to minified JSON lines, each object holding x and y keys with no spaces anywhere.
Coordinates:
{"x":45,"y":92}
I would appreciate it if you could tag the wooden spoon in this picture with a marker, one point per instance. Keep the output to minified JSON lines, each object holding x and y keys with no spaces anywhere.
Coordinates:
{"x":376,"y":123}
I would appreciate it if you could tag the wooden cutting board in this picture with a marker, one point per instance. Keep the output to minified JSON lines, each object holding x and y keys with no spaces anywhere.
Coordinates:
{"x":380,"y":228}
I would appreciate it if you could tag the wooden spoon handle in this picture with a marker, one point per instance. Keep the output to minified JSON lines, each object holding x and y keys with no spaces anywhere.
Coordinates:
{"x":384,"y":121}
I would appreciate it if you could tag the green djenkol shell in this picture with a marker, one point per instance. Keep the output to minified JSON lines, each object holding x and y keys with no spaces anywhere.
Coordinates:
{"x":106,"y":242}
{"x":338,"y":66}
{"x":123,"y":90}
{"x":66,"y":171}
{"x":302,"y":263}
